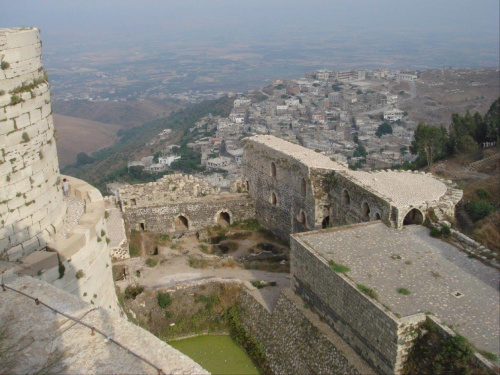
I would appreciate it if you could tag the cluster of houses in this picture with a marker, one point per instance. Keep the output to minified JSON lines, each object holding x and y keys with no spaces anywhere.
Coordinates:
{"x":332,"y":112}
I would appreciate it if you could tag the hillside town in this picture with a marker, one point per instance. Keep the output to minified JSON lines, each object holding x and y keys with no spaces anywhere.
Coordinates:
{"x":350,"y":116}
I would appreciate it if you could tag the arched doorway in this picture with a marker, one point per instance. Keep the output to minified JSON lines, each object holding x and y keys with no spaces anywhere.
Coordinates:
{"x":413,"y":216}
{"x":273,"y":169}
{"x":326,"y":222}
{"x":303,"y":187}
{"x":346,"y":198}
{"x":365,"y":212}
{"x":224,"y":219}
{"x":273,"y":199}
{"x":377,"y":216}
{"x":181,"y":223}
{"x":302,"y":217}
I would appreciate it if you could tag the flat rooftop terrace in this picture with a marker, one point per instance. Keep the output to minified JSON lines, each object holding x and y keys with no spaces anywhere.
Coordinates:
{"x":386,"y":259}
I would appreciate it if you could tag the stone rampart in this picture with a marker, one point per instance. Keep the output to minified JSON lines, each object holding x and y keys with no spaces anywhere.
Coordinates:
{"x":279,"y":176}
{"x":31,"y":203}
{"x":196,"y":214}
{"x":370,"y":330}
{"x":79,"y":264}
{"x":294,"y":343}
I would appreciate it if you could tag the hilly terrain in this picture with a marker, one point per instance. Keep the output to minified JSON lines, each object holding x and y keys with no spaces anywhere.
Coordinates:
{"x":123,"y":113}
{"x":111,"y":163}
{"x":75,"y":135}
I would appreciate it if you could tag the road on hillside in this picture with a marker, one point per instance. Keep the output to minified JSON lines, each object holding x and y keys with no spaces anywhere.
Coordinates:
{"x":413,"y":95}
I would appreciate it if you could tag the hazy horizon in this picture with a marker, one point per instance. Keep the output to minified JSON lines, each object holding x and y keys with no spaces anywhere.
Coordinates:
{"x":265,"y":39}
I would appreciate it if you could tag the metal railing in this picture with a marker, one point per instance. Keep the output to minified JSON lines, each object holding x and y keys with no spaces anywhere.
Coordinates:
{"x":93,"y":330}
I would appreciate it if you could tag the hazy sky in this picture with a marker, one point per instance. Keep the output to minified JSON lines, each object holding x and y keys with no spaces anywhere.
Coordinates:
{"x":116,"y":20}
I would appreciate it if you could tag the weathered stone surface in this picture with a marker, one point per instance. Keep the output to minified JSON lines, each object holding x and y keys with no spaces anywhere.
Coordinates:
{"x":27,"y":139}
{"x":41,"y":337}
{"x":179,"y":203}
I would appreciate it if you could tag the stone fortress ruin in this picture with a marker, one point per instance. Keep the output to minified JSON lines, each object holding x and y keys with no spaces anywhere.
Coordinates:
{"x":329,"y":215}
{"x":176,"y":204}
{"x":332,"y":214}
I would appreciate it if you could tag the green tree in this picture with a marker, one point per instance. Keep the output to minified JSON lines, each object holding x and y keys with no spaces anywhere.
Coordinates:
{"x":466,"y":145}
{"x":82,"y":158}
{"x":429,"y":142}
{"x":488,"y":129}
{"x":360,"y":151}
{"x":383,"y":128}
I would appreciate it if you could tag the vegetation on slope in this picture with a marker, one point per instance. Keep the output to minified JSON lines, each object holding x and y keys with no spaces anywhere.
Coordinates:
{"x":432,"y":354}
{"x":111,"y":163}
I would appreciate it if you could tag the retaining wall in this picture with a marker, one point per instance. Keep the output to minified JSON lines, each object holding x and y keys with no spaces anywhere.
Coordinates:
{"x":292,"y":343}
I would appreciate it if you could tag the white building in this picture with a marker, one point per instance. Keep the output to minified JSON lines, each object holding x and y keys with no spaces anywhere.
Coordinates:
{"x":167,"y":160}
{"x":393,"y":115}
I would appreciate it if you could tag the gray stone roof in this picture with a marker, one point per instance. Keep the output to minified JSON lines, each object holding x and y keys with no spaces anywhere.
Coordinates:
{"x":304,"y":155}
{"x":402,"y":188}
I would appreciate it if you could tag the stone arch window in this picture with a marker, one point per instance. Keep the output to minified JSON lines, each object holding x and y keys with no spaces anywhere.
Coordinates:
{"x":303,"y":187}
{"x":346,"y":198}
{"x":326,"y":222}
{"x":273,"y":200}
{"x":142,"y":226}
{"x":377,"y":216}
{"x":247,"y":185}
{"x":302,"y":218}
{"x":273,"y":169}
{"x":224,"y":219}
{"x":133,"y":202}
{"x":365,"y":211}
{"x":181,"y":223}
{"x":414,"y":216}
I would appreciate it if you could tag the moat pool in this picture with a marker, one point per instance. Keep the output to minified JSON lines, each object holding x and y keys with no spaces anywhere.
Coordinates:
{"x":218,"y":354}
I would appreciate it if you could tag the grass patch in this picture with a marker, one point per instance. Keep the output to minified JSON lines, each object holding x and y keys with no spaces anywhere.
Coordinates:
{"x":151,"y":262}
{"x":404,"y":291}
{"x":80,"y":274}
{"x":195,"y":262}
{"x":132,"y":291}
{"x":368,"y":291}
{"x":337,"y":267}
{"x":164,"y":300}
{"x":488,"y":355}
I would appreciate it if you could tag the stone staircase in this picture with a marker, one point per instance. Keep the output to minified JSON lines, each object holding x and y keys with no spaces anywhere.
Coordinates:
{"x":481,"y":163}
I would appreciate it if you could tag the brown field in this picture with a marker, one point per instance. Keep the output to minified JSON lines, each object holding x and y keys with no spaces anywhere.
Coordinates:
{"x":444,"y":92}
{"x":75,"y":135}
{"x":126,"y":114}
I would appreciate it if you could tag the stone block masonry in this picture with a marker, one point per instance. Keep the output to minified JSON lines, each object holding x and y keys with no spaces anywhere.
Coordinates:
{"x":79,"y":264}
{"x":180,"y":203}
{"x":31,"y":202}
{"x":295,"y":342}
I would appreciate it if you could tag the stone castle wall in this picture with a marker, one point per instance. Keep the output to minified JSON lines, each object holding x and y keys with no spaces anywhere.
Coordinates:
{"x":282,"y":216}
{"x":198,"y":214}
{"x":294,"y":344}
{"x":343,"y":212}
{"x":79,"y":264}
{"x":370,"y":330}
{"x":31,"y":201}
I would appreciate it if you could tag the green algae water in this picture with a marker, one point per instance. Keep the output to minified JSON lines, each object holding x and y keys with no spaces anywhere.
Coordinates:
{"x":217,"y":354}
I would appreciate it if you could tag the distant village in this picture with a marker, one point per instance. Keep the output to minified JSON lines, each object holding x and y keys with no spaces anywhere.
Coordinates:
{"x":350,"y":116}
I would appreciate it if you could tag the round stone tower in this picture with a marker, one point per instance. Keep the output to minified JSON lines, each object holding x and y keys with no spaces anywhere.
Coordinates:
{"x":31,"y":200}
